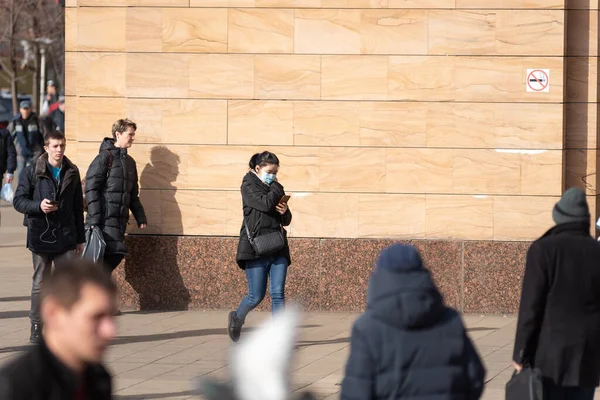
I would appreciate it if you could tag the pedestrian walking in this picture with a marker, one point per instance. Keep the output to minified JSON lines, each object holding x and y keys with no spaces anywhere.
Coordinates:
{"x":558,"y":328}
{"x":57,"y":117}
{"x":265,"y":213}
{"x":27,"y":135}
{"x":112,"y":190}
{"x":49,"y":194}
{"x":49,"y":104}
{"x":78,"y":303}
{"x":408,"y":344}
{"x":8,"y":157}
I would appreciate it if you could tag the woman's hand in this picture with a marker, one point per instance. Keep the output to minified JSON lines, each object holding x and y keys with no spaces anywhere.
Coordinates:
{"x":282,"y":208}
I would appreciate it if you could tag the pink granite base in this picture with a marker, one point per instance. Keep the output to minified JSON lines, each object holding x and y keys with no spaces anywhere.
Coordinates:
{"x":179,"y":273}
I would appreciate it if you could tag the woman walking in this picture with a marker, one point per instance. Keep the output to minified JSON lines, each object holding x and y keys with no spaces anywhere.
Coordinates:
{"x":263,"y":250}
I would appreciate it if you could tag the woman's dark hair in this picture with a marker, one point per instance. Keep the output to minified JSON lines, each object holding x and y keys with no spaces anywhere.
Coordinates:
{"x":262,"y":159}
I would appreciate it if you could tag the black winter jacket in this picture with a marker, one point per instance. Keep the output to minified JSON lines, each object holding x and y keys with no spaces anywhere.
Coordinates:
{"x":59,"y":231}
{"x":558,"y":330}
{"x":57,"y":119}
{"x":259,"y":201}
{"x":27,"y":135}
{"x":8,"y":154}
{"x":39,"y":375}
{"x":408,"y":345}
{"x":110,"y":195}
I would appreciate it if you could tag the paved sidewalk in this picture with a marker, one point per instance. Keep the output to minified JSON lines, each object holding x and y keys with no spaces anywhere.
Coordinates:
{"x":157,"y":355}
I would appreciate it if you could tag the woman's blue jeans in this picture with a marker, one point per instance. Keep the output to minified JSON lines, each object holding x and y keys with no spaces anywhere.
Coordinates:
{"x":257,"y":273}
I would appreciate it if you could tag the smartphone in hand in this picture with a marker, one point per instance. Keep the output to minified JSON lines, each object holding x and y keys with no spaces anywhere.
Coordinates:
{"x":284,"y":199}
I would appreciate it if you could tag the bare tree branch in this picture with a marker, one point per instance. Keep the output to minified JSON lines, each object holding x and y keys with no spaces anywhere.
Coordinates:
{"x":7,"y":70}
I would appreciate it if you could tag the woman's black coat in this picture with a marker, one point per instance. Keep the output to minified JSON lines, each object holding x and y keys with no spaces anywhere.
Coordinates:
{"x":259,"y":202}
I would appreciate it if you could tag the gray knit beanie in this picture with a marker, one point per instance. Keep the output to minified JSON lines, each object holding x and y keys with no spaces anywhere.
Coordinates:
{"x":572,"y":207}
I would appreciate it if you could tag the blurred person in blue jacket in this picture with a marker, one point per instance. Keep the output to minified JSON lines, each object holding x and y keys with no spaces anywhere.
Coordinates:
{"x":408,"y":344}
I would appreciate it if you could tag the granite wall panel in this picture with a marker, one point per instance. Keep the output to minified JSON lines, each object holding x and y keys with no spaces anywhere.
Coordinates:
{"x":174,"y":273}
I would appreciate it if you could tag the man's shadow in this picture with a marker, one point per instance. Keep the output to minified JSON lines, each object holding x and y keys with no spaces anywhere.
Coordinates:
{"x":151,"y":267}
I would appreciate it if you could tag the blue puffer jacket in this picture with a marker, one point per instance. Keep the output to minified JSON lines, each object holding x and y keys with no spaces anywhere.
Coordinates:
{"x":408,"y":345}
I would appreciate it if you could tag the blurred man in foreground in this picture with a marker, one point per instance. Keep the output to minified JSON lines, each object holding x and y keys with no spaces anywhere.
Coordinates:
{"x":78,"y":306}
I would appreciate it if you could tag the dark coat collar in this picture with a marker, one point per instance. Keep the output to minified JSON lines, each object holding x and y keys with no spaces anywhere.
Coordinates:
{"x":41,"y":167}
{"x":70,"y":172}
{"x":65,"y":377}
{"x":94,"y":377}
{"x":571,"y":228}
{"x":252,"y":177}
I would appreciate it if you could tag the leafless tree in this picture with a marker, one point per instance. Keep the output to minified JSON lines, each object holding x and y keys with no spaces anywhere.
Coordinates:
{"x":12,"y":11}
{"x":22,"y":22}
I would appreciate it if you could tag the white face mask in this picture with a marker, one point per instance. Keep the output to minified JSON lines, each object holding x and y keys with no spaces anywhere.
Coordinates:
{"x":267,"y":178}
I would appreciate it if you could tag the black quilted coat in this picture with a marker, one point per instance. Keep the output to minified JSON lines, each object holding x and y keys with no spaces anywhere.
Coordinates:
{"x":259,"y":202}
{"x":110,"y":195}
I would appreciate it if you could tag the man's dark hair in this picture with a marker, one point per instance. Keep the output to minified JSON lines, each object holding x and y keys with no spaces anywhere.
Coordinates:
{"x":65,"y":283}
{"x":122,"y":125}
{"x":55,"y":135}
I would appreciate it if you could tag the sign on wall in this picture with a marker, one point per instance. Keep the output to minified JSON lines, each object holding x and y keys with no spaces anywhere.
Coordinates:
{"x":538,"y":80}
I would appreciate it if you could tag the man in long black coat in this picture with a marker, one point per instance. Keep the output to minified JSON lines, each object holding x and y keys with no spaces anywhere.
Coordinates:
{"x":558,"y":330}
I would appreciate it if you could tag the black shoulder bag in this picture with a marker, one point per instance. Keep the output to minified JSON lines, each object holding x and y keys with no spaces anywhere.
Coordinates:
{"x":266,"y":244}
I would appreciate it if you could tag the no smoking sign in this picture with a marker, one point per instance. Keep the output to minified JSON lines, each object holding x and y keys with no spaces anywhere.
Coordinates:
{"x":538,"y":80}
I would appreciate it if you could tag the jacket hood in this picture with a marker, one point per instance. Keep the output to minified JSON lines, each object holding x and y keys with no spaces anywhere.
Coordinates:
{"x":109,"y":144}
{"x":402,"y":292}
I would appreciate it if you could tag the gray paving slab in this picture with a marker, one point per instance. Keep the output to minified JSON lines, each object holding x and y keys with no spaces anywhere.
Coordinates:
{"x":158,"y":355}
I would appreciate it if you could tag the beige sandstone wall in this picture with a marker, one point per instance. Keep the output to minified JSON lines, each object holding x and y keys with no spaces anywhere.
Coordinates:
{"x":392,"y":118}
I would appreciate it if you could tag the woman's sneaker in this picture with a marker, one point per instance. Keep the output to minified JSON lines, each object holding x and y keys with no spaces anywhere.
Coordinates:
{"x":234,"y":328}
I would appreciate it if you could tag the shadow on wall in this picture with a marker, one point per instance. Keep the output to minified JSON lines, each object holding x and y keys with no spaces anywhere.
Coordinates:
{"x":578,"y":124}
{"x":152,"y":271}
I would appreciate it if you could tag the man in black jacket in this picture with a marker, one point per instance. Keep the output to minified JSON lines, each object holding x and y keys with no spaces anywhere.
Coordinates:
{"x":8,"y":154}
{"x":49,"y":194}
{"x":111,"y":191}
{"x":558,"y":329}
{"x":78,"y":303}
{"x":27,"y":135}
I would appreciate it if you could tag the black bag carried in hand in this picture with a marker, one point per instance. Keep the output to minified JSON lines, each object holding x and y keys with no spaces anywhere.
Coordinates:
{"x":266,"y":244}
{"x":525,"y":385}
{"x":94,"y":245}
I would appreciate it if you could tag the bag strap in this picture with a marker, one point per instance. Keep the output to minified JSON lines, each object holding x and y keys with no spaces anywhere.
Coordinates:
{"x":250,"y":239}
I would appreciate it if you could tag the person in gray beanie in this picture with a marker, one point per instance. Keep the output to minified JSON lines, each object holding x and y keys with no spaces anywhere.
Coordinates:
{"x":559,"y":315}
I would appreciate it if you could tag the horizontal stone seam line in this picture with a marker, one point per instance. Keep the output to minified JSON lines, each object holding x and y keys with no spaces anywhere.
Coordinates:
{"x":191,"y":53}
{"x":326,"y":100}
{"x":340,"y":8}
{"x":550,"y":196}
{"x":515,"y":149}
{"x":323,"y":239}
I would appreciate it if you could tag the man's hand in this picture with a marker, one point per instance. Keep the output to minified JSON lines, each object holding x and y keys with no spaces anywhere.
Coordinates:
{"x":143,"y":226}
{"x":282,"y":208}
{"x":9,"y":178}
{"x":518,"y":367}
{"x":79,"y":248}
{"x":47,"y":207}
